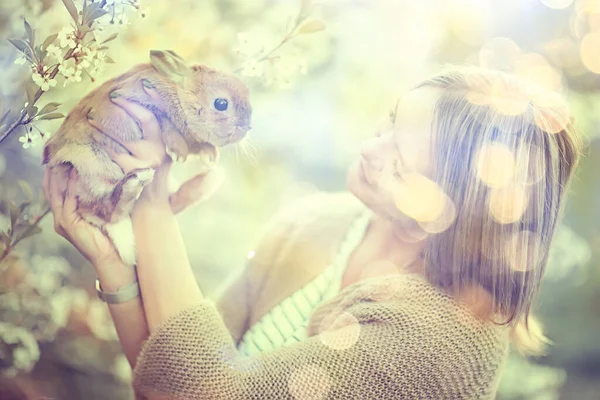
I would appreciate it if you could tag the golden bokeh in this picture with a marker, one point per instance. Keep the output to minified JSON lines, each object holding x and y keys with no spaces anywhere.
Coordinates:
{"x":564,"y":53}
{"x":342,"y":332}
{"x":499,"y":53}
{"x":530,"y":165}
{"x":419,"y":197}
{"x":309,"y":382}
{"x":478,"y":98}
{"x":590,"y":52}
{"x":522,"y":250}
{"x":552,"y":120}
{"x":508,"y":204}
{"x":557,"y":4}
{"x":535,"y":68}
{"x":477,"y":300}
{"x":444,"y":221}
{"x":495,"y":165}
{"x":513,"y":105}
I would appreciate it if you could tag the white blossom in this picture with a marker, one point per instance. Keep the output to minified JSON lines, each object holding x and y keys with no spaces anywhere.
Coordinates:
{"x":285,"y":69}
{"x":21,"y":59}
{"x":44,"y":82}
{"x":60,"y":304}
{"x":66,"y":36}
{"x":71,"y":74}
{"x":252,"y":68}
{"x":252,"y":44}
{"x":54,"y":52}
{"x":27,"y":140}
{"x":25,"y":350}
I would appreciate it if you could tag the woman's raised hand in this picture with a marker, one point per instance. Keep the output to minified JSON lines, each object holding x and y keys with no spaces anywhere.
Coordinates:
{"x":91,"y":242}
{"x":150,"y":152}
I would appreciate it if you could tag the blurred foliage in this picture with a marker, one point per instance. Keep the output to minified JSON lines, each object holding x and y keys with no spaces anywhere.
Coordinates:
{"x":322,"y":75}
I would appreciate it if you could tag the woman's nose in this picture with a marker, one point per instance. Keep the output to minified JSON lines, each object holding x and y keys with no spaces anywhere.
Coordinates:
{"x":372,"y":151}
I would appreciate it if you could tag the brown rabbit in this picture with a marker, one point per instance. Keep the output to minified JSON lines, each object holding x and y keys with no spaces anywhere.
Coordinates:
{"x":198,"y":109}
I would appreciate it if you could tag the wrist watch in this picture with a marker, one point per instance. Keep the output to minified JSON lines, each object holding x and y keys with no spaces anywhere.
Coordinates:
{"x":123,"y":294}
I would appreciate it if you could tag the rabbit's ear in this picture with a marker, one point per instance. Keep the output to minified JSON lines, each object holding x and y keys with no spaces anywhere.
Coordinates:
{"x":168,"y":63}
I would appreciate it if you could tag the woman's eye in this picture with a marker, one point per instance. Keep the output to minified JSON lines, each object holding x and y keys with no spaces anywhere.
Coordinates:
{"x":221,"y":104}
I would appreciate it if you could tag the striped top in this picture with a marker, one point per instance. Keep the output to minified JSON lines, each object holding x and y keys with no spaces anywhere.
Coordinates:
{"x":286,"y":323}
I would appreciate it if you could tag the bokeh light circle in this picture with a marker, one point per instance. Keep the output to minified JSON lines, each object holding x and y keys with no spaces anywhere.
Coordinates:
{"x":522,"y":250}
{"x":419,"y":198}
{"x":557,"y":4}
{"x":508,"y":204}
{"x":495,"y":165}
{"x":340,"y":331}
{"x":590,"y":52}
{"x":499,"y":53}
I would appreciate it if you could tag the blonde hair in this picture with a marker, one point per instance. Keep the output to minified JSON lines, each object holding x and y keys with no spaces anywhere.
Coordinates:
{"x":504,"y":151}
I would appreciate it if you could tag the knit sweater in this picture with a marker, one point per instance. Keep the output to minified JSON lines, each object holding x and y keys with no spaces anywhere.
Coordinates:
{"x":382,"y":338}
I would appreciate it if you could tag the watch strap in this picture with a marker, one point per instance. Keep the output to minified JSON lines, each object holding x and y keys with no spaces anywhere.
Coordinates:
{"x":122,"y":295}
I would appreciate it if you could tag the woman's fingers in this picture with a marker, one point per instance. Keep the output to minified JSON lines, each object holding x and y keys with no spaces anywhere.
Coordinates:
{"x":70,"y":202}
{"x":128,"y":163}
{"x":145,"y":117}
{"x":150,"y":91}
{"x":46,"y":184}
{"x":57,"y":187}
{"x":196,"y":189}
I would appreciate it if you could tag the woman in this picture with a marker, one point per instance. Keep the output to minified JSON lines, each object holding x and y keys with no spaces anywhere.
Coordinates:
{"x":413,"y":296}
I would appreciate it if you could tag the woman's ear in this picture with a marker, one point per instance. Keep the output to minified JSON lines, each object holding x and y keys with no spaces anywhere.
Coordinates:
{"x":168,"y":63}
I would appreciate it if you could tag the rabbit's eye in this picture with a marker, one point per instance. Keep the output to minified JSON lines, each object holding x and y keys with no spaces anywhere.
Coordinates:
{"x":221,"y":104}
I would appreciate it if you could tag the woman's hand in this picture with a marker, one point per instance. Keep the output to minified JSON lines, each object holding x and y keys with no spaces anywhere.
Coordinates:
{"x":150,"y":152}
{"x":88,"y":239}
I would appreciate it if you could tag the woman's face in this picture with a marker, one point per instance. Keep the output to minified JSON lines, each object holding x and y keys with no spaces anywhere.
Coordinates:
{"x":398,"y":151}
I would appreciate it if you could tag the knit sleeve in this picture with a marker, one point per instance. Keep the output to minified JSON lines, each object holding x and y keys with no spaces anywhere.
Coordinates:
{"x":360,"y":355}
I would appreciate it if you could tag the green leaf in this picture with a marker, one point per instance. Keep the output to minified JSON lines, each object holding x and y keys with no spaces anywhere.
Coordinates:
{"x":22,"y":46}
{"x":102,"y":48}
{"x":26,"y":188}
{"x":304,"y":6}
{"x":93,"y":12}
{"x":31,"y":90}
{"x":111,"y":37}
{"x":72,"y":10}
{"x":5,"y":238}
{"x":29,"y":31}
{"x":48,"y":108}
{"x":311,"y":27}
{"x":31,"y":110}
{"x":4,"y":116}
{"x":34,"y":230}
{"x":109,"y":60}
{"x":49,"y":40}
{"x":22,"y":208}
{"x":39,"y":53}
{"x":14,"y":213}
{"x":85,"y":29}
{"x":52,"y":116}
